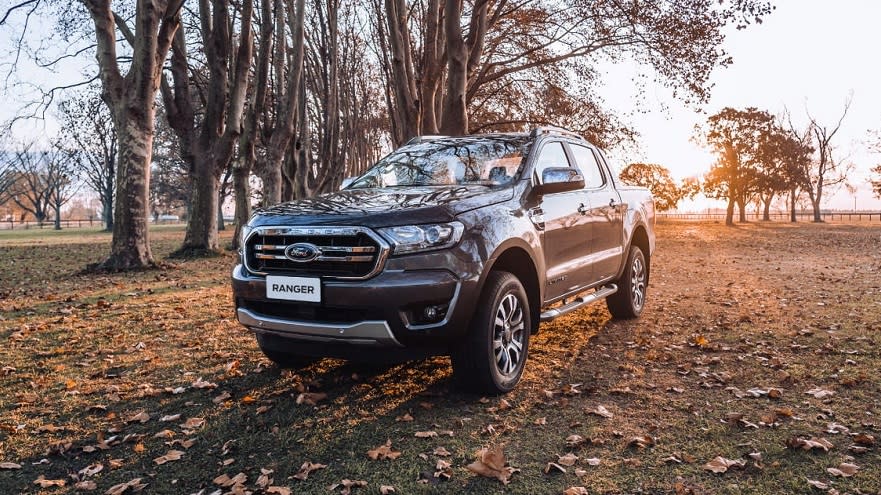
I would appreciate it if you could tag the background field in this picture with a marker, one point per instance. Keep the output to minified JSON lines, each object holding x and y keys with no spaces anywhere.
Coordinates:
{"x":741,"y":323}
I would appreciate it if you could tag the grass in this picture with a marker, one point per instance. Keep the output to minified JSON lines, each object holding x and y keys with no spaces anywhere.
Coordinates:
{"x":761,"y":306}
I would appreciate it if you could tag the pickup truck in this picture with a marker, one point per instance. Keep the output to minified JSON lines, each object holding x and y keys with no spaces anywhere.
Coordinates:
{"x":448,"y":245}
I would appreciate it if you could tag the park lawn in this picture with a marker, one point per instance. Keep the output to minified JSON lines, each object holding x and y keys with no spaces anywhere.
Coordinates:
{"x":754,"y":337}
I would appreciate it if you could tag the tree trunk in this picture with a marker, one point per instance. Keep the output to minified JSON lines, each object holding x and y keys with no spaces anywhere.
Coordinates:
{"x":815,"y":204}
{"x":792,"y":197}
{"x":729,"y":212}
{"x":130,"y":248}
{"x":220,"y":223}
{"x":766,"y":212}
{"x":271,"y":177}
{"x":741,"y":208}
{"x":243,"y":200}
{"x":201,"y":236}
{"x":57,"y":216}
{"x":455,"y":116}
{"x":107,"y":209}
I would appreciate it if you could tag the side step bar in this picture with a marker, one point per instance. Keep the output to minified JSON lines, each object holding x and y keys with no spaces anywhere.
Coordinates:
{"x":578,"y":302}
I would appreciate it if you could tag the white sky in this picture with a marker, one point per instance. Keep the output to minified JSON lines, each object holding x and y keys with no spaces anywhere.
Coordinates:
{"x":807,"y":54}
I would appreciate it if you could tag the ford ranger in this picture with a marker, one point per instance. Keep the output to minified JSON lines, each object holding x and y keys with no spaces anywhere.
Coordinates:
{"x":448,"y":245}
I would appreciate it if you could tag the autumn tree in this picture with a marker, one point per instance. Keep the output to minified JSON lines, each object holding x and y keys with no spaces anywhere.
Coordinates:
{"x":89,"y":136}
{"x":740,"y":139}
{"x":658,"y":180}
{"x":876,"y":180}
{"x":440,"y":57}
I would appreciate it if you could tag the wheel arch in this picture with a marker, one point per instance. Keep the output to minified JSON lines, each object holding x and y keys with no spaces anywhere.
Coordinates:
{"x":517,"y":261}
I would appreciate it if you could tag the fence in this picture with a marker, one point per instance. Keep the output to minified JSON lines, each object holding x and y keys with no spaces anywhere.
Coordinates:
{"x":72,"y":223}
{"x":801,"y":216}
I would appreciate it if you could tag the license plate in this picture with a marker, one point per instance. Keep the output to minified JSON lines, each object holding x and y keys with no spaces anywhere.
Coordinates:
{"x":293,"y":288}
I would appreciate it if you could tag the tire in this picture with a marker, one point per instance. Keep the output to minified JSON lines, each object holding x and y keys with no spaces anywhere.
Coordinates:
{"x":285,"y":360}
{"x":492,"y":356}
{"x":629,"y":301}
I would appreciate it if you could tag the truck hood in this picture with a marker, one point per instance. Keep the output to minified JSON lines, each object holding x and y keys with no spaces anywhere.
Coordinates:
{"x":383,"y":207}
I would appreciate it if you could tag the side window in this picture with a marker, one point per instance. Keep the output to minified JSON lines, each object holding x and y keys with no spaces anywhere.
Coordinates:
{"x":551,"y":155}
{"x":587,"y":163}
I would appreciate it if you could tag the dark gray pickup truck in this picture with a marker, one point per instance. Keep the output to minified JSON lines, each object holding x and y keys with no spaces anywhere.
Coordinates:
{"x":448,"y":245}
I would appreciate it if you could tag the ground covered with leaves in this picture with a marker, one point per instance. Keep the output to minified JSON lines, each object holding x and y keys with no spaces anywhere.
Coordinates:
{"x":753,"y":370}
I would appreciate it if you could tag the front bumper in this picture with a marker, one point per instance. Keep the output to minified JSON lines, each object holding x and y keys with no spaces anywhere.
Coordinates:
{"x":374,"y":313}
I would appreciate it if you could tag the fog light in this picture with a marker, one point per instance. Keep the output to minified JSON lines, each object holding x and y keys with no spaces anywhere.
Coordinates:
{"x":433,"y":313}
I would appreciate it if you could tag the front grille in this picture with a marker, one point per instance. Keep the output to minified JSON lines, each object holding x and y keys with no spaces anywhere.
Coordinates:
{"x":342,"y":252}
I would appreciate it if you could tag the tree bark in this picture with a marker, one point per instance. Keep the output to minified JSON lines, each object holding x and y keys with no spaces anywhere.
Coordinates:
{"x":792,"y":196}
{"x":242,"y":191}
{"x":741,"y":208}
{"x":729,"y":212}
{"x":201,"y":233}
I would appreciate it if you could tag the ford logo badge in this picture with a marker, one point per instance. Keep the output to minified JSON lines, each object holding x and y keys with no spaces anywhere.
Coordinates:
{"x":302,"y":252}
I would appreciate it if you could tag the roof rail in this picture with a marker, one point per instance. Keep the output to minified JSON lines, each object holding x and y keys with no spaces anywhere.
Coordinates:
{"x":555,"y":130}
{"x":422,"y":139}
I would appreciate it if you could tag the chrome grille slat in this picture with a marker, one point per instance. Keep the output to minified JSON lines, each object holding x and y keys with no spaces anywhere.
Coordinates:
{"x":346,"y":253}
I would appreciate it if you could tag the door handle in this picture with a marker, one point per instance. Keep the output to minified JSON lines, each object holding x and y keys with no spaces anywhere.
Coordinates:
{"x":582,"y":209}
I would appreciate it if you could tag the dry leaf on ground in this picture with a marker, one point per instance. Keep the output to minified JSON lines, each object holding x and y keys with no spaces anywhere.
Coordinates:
{"x":383,"y":452}
{"x":171,"y":455}
{"x":278,"y":490}
{"x":135,"y":485}
{"x":386,"y":489}
{"x":568,"y":460}
{"x":311,"y":398}
{"x":42,"y":482}
{"x":811,"y":443}
{"x":641,"y":441}
{"x":601,"y":411}
{"x":576,"y":490}
{"x":820,"y":393}
{"x":9,"y":465}
{"x":347,"y":486}
{"x":845,"y":470}
{"x":491,"y":463}
{"x":425,"y":434}
{"x":721,"y":464}
{"x":306,"y":468}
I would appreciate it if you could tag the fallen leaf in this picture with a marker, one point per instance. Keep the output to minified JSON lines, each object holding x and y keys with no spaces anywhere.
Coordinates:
{"x":9,"y":465}
{"x":820,"y":393}
{"x":386,"y":489}
{"x":121,"y":488}
{"x":443,"y":469}
{"x":164,"y":434}
{"x":311,"y":398}
{"x":568,"y":460}
{"x":844,"y":469}
{"x":347,"y":486}
{"x":818,"y":484}
{"x":192,"y":423}
{"x":721,"y":464}
{"x":171,"y":455}
{"x":85,"y":486}
{"x":200,"y":383}
{"x":592,"y":461}
{"x":141,"y":417}
{"x":278,"y":490}
{"x":42,"y":482}
{"x":383,"y":452}
{"x":440,"y":451}
{"x":575,"y":440}
{"x":91,"y":470}
{"x":405,"y":418}
{"x":225,"y":481}
{"x":576,"y":490}
{"x":491,"y":464}
{"x":425,"y":434}
{"x":601,"y":411}
{"x":864,"y":439}
{"x":540,"y":421}
{"x":553,"y":466}
{"x":306,"y":468}
{"x":811,"y":443}
{"x":641,"y":442}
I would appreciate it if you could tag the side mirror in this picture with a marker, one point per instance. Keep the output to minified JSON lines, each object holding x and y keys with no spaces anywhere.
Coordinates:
{"x":559,"y":179}
{"x":345,"y":183}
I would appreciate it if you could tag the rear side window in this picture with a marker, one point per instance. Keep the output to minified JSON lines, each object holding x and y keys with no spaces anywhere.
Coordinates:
{"x":551,"y":155}
{"x":587,"y":163}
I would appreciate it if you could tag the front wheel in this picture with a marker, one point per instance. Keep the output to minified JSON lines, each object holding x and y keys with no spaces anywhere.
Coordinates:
{"x":629,"y":301}
{"x":491,"y":358}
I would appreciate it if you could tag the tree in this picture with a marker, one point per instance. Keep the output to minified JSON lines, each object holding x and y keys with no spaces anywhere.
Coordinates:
{"x":90,"y":137}
{"x":207,"y":118}
{"x":41,"y":181}
{"x":782,"y":162}
{"x":740,"y":139}
{"x":825,"y":170}
{"x":440,"y":56}
{"x":876,"y":181}
{"x":658,"y":180}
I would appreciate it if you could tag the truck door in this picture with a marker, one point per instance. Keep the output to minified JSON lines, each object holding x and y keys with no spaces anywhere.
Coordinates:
{"x":605,"y":214}
{"x":565,"y":228}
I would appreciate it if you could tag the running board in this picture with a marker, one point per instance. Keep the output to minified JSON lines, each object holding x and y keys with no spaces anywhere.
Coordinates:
{"x":598,"y":295}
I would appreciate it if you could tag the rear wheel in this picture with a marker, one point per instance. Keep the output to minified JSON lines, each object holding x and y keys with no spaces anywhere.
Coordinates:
{"x":282,"y":358}
{"x":492,"y":356}
{"x":629,"y":301}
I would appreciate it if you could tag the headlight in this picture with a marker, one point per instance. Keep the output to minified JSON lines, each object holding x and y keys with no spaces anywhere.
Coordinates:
{"x":414,"y":238}
{"x":246,"y":229}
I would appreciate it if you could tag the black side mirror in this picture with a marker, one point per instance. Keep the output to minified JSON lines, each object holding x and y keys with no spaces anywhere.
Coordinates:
{"x":559,"y":179}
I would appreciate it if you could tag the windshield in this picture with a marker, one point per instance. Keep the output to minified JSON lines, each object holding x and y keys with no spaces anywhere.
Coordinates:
{"x":484,"y":160}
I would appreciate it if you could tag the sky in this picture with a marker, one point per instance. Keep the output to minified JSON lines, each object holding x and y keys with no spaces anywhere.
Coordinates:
{"x":807,"y":55}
